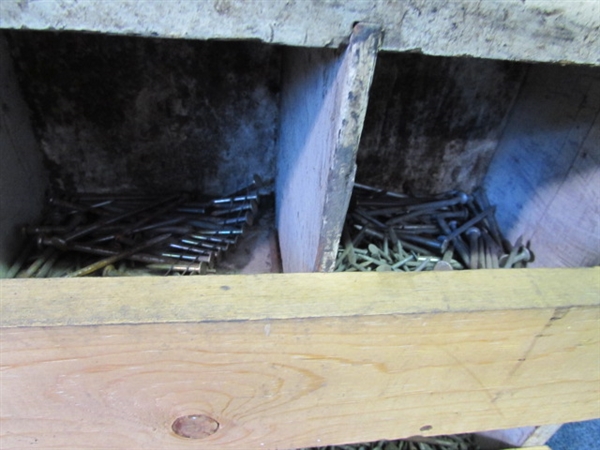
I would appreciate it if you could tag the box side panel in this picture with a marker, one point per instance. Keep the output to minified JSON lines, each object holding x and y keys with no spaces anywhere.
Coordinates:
{"x":433,"y":124}
{"x":129,"y":114}
{"x":23,"y":179}
{"x":545,"y":174}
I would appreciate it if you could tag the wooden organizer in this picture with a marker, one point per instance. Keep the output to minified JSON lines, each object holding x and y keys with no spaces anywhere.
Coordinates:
{"x":311,"y":359}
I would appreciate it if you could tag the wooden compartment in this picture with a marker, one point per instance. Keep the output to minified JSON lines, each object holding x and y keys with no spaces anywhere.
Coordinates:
{"x":122,"y":114}
{"x":296,"y":359}
{"x":528,"y":133}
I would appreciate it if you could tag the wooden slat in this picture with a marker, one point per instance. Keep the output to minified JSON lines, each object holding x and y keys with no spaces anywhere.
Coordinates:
{"x":550,"y":30}
{"x":324,"y":101}
{"x":23,"y":179}
{"x":55,"y":302}
{"x":453,"y":353}
{"x":299,"y":382}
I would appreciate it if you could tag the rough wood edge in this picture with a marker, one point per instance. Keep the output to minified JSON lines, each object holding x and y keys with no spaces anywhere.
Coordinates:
{"x":556,"y":30}
{"x":59,"y":302}
{"x":359,"y":62}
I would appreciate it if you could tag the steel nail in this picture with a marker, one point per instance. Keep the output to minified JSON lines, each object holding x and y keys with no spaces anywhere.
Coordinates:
{"x":468,"y":224}
{"x":473,"y":235}
{"x":112,"y":259}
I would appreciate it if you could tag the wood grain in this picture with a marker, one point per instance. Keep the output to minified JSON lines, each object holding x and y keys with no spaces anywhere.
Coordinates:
{"x":57,"y":302}
{"x":370,"y":356}
{"x":324,"y":100}
{"x":550,"y":30}
{"x":295,"y":383}
{"x":545,"y":175}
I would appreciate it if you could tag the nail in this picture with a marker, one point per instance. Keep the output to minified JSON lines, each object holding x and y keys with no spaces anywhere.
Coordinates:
{"x":220,"y":246}
{"x":200,"y":267}
{"x":432,"y":243}
{"x":112,"y":259}
{"x":509,"y":261}
{"x":373,"y":190}
{"x":23,"y":256}
{"x":243,"y":198}
{"x":473,"y":235}
{"x":482,"y":203}
{"x":468,"y":224}
{"x":251,"y":206}
{"x":110,"y":220}
{"x":39,"y":262}
{"x":247,"y":219}
{"x":216,"y":239}
{"x":459,"y":245}
{"x":460,"y":198}
{"x":208,"y":258}
{"x":422,"y":265}
{"x":45,"y":269}
{"x":230,"y":232}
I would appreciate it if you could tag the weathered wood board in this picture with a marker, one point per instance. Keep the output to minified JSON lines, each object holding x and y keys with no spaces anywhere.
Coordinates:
{"x":532,"y":30}
{"x":119,"y":114}
{"x":23,"y":180}
{"x":432,"y":123}
{"x":323,"y":106}
{"x":545,"y":175}
{"x":370,"y":356}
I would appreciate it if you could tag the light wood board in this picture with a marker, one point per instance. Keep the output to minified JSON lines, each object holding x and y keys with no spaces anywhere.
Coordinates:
{"x":375,"y":356}
{"x":56,"y":302}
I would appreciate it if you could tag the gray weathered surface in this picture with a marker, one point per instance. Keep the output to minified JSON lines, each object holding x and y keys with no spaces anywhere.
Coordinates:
{"x":322,"y":111}
{"x":23,"y":180}
{"x":433,"y":123}
{"x":545,"y":175}
{"x":117,"y":114}
{"x":532,"y":30}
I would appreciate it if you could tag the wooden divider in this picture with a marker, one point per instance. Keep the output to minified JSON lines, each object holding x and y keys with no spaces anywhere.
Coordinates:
{"x":324,"y":101}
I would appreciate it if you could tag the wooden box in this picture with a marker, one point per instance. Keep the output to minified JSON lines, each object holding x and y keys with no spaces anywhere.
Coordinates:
{"x":310,"y":358}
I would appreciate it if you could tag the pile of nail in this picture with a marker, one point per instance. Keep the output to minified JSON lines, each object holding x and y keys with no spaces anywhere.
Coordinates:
{"x":387,"y":231}
{"x":136,"y":234}
{"x":457,"y":442}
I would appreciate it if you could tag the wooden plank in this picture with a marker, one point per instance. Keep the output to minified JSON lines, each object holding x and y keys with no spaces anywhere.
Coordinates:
{"x":574,"y":211}
{"x":56,"y":302}
{"x":433,"y":124}
{"x":549,"y":30}
{"x":323,"y":105}
{"x":298,"y":382}
{"x":545,"y":175}
{"x":23,"y":179}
